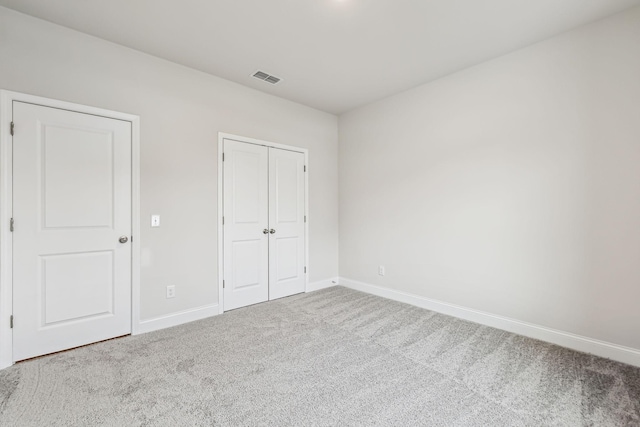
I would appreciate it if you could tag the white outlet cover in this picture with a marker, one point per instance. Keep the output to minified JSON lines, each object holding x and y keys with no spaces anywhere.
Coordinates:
{"x":171,"y":291}
{"x":155,"y":220}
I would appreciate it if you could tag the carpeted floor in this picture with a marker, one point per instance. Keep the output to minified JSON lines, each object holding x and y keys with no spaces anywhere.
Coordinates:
{"x":332,"y":357}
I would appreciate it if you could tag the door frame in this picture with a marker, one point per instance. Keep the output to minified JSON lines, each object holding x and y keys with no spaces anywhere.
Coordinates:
{"x":221,"y":137}
{"x":6,"y":208}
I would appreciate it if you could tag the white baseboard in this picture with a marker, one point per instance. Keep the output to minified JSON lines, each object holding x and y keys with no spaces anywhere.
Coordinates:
{"x":322,"y":284}
{"x":596,"y":347}
{"x":175,"y":319}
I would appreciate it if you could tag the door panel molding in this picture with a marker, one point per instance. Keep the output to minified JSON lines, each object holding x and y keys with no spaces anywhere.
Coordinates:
{"x":221,"y":138}
{"x":6,"y":208}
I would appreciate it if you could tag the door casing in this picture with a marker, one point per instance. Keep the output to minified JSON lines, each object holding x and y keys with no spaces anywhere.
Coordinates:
{"x":6,"y":208}
{"x":221,"y":137}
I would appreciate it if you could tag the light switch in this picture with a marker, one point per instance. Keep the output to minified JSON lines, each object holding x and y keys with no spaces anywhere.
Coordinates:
{"x":155,"y":220}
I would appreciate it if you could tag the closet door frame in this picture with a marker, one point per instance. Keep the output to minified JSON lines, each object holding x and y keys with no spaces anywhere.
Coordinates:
{"x":221,"y":137}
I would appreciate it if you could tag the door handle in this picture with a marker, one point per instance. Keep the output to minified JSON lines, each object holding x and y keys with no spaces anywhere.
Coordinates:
{"x":265,"y":231}
{"x":272,"y":231}
{"x":123,"y":239}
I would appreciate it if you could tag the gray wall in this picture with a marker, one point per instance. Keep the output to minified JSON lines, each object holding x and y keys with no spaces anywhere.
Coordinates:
{"x":512,"y":187}
{"x":181,"y":112}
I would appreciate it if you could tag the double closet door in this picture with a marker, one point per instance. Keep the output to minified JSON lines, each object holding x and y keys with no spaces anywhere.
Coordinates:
{"x":263,"y":223}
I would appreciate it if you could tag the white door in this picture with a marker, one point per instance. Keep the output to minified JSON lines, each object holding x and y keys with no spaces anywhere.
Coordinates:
{"x":71,"y":206}
{"x":264,"y":230}
{"x":286,"y":223}
{"x":246,"y":224}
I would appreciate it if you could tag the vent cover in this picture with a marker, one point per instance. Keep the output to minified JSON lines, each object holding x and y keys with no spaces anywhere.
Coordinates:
{"x":266,"y":77}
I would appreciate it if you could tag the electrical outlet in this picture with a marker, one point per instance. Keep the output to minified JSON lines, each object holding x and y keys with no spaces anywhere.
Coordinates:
{"x":155,"y":220}
{"x":171,"y":291}
{"x":381,"y":270}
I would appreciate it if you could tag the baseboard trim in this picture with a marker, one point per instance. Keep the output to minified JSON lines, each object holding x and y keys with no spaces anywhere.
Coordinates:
{"x":322,"y":284}
{"x":175,"y":319}
{"x":584,"y":344}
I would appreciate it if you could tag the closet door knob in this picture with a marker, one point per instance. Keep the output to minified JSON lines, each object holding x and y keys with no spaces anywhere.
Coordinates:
{"x":272,"y":231}
{"x":265,"y":231}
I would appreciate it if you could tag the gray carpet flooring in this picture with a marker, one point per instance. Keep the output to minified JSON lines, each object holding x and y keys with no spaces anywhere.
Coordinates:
{"x":335,"y":357}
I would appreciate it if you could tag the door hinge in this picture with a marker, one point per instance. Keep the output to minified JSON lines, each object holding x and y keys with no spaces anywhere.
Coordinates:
{"x":131,"y":239}
{"x":11,"y":321}
{"x":11,"y":225}
{"x":12,"y":128}
{"x":223,"y":284}
{"x":305,"y":218}
{"x":305,"y":270}
{"x":222,"y":220}
{"x":305,"y":168}
{"x":223,"y":157}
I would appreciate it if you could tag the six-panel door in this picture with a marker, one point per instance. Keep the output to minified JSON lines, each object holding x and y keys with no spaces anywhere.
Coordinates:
{"x":72,"y":204}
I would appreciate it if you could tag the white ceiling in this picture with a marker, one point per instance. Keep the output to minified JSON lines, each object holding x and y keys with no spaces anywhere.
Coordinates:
{"x":333,"y":55}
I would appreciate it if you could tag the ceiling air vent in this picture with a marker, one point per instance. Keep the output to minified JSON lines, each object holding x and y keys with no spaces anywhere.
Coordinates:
{"x":266,"y":77}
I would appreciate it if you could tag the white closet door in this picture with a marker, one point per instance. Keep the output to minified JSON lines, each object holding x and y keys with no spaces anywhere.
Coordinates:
{"x":286,"y":222}
{"x":72,"y":211}
{"x":246,"y":222}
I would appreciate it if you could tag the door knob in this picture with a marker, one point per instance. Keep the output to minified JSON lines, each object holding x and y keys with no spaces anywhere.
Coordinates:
{"x":272,"y":231}
{"x":265,"y":231}
{"x":123,"y":239}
